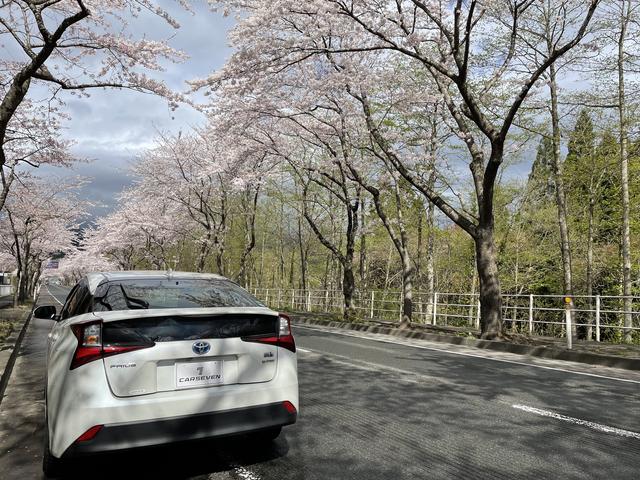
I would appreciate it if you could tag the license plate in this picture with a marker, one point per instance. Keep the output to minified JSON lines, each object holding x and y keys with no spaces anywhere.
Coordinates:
{"x":200,"y":374}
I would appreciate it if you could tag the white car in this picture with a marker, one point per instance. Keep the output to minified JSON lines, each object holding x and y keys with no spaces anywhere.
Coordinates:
{"x":137,"y":359}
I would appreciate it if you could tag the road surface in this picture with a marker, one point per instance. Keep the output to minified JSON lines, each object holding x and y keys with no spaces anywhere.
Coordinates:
{"x":374,"y":407}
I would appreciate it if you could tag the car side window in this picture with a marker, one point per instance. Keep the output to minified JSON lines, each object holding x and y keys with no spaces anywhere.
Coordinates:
{"x":77,"y":301}
{"x":70,"y":299}
{"x":85,"y":302}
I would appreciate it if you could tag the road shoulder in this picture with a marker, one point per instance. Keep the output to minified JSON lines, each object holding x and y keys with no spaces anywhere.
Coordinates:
{"x":482,"y":354}
{"x":552,"y":353}
{"x":14,"y":323}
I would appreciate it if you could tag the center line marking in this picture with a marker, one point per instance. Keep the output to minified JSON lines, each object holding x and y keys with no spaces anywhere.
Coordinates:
{"x":577,"y":421}
{"x":54,"y":297}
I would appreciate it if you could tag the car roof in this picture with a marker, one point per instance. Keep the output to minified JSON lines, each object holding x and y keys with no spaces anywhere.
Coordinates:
{"x":96,"y":278}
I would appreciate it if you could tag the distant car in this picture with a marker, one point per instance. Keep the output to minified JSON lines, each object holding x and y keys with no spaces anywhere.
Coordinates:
{"x":137,"y":359}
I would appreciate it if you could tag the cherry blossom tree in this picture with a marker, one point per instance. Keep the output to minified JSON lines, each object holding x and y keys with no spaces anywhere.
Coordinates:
{"x":316,"y":154}
{"x":183,"y":169}
{"x":39,"y":220}
{"x":470,"y":54}
{"x":202,"y":179}
{"x":141,"y":230}
{"x":73,"y":45}
{"x":32,"y":138}
{"x":79,"y":262}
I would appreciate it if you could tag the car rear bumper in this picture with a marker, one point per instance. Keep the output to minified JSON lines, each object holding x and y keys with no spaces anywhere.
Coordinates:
{"x":120,"y":436}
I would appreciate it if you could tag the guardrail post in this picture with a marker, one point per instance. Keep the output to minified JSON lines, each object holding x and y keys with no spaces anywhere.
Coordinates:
{"x":266,"y":297}
{"x":478,"y":313}
{"x":597,"y":318}
{"x":326,"y":299}
{"x":567,"y":316}
{"x":308,"y":300}
{"x":293,"y":298}
{"x":401,"y":305}
{"x":435,"y":308}
{"x":373,"y":299}
{"x":531,"y":314}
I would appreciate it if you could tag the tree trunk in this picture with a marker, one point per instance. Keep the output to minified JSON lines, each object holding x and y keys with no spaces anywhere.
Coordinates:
{"x":16,"y":292}
{"x":326,"y":284}
{"x":281,"y":260}
{"x":303,"y":258}
{"x":489,"y":283}
{"x":261,"y":282}
{"x":590,"y":234}
{"x":430,"y":278}
{"x":387,"y":270}
{"x":292,"y":268}
{"x":348,"y":291}
{"x":204,"y":252}
{"x":624,"y":176}
{"x":407,"y":288}
{"x":250,"y":201}
{"x":363,"y":248}
{"x":561,"y":198}
{"x":10,"y":103}
{"x":420,"y":229}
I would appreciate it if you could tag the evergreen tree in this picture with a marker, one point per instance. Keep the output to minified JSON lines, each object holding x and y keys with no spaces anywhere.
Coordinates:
{"x":540,"y":186}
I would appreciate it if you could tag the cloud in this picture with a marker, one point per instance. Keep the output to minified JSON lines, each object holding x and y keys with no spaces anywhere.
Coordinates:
{"x":113,"y":127}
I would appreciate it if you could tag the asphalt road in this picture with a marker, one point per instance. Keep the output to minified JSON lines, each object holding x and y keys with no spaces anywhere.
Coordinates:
{"x":373,"y":407}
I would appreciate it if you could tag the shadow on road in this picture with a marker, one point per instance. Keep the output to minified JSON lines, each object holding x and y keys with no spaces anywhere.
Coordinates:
{"x":194,"y":460}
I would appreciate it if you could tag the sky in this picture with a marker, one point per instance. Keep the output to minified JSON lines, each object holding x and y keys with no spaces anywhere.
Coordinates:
{"x":113,"y":127}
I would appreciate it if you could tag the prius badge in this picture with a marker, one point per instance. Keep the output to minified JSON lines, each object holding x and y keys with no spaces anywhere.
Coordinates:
{"x":200,"y":348}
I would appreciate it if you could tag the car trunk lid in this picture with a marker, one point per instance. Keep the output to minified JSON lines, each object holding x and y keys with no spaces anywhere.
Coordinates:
{"x":188,"y":349}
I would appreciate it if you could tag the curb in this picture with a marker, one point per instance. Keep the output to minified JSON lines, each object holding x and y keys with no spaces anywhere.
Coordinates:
{"x":5,"y":370}
{"x":539,"y":351}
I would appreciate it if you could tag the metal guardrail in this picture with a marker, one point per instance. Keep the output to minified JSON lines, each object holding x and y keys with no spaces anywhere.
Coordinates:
{"x":601,"y":317}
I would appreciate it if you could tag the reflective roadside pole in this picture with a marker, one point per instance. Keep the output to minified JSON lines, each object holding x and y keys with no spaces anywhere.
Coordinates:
{"x":568,"y":302}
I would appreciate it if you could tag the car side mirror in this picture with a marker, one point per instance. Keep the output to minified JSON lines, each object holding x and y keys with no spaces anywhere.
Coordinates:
{"x":45,"y":312}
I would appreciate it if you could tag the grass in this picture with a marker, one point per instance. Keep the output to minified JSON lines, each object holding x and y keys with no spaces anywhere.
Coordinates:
{"x":11,"y":319}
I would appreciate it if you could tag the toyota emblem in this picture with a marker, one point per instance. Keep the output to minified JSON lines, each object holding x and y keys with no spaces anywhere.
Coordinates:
{"x":200,"y":348}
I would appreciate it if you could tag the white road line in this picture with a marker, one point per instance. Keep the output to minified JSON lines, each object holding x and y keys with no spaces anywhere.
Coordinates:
{"x":577,"y":421}
{"x":375,"y":367}
{"x":464,"y":354}
{"x":54,"y":297}
{"x":303,"y":349}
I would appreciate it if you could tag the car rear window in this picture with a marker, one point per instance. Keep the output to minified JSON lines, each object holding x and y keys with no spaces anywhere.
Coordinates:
{"x":171,"y":293}
{"x":172,"y":328}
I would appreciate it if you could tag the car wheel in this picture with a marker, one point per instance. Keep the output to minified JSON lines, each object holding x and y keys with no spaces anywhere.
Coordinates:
{"x":268,"y":435}
{"x":51,"y":466}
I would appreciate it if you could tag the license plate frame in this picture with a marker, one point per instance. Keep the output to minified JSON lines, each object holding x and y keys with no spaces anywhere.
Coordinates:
{"x":199,"y":374}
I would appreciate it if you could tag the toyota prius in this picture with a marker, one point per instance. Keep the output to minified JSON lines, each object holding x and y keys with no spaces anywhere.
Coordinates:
{"x":137,"y":359}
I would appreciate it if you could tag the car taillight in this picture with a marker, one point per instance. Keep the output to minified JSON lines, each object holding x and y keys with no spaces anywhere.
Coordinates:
{"x":284,"y":338}
{"x":90,"y":345}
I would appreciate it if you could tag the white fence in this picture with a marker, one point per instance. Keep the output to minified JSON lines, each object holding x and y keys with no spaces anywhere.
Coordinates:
{"x":599,"y":317}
